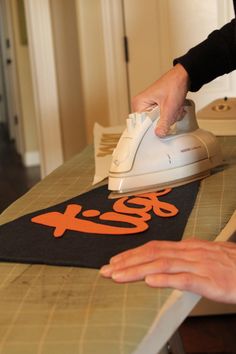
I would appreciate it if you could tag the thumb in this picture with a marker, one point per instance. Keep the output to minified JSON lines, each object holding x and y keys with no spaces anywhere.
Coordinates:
{"x":162,"y":128}
{"x":167,"y":118}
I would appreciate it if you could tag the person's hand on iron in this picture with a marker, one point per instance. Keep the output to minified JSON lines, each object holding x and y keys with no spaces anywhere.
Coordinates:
{"x":203,"y":267}
{"x":168,"y":93}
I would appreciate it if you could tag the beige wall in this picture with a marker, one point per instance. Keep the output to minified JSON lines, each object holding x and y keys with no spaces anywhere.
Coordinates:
{"x":25,"y":87}
{"x":92,"y":55}
{"x":81,"y":72}
{"x":68,"y":68}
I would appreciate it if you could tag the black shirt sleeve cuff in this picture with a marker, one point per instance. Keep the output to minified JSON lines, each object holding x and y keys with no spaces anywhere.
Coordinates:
{"x":211,"y":58}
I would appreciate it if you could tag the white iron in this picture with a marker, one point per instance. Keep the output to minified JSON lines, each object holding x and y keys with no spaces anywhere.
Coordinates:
{"x":144,"y":162}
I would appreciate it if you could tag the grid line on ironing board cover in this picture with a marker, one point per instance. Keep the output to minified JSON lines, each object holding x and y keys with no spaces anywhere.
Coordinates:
{"x":47,"y":309}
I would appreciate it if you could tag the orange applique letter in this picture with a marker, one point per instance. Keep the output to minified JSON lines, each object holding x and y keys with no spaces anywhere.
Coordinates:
{"x":123,"y":212}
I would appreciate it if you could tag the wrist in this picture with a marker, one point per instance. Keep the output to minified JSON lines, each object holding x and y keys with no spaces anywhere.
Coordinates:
{"x":182,"y":76}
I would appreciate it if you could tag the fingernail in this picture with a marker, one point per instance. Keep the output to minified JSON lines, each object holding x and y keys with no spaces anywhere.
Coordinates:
{"x":114,"y":260}
{"x":106,"y":270}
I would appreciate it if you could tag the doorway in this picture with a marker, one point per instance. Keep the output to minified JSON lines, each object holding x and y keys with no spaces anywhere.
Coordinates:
{"x":3,"y":103}
{"x":10,"y":93}
{"x":17,"y":173}
{"x":19,"y":110}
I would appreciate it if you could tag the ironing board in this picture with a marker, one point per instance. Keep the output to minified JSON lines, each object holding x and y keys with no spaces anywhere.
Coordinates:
{"x":49,"y":309}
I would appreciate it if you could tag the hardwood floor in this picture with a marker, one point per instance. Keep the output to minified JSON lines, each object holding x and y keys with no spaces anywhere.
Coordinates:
{"x":15,"y":179}
{"x":209,"y":334}
{"x":215,"y":334}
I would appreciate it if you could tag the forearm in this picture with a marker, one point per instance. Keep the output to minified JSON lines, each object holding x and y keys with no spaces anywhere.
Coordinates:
{"x":211,"y":58}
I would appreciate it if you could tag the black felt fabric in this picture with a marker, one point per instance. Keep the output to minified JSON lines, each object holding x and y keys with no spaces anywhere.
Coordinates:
{"x":26,"y":242}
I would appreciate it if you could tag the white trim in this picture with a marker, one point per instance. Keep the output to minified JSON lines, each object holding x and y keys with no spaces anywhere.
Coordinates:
{"x":31,"y":158}
{"x":117,"y":87}
{"x":40,"y":37}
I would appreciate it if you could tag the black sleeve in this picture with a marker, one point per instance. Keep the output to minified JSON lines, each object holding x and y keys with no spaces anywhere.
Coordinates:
{"x":211,"y":58}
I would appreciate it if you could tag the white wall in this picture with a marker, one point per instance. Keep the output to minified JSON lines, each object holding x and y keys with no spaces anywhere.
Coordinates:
{"x":190,"y":22}
{"x":166,"y":29}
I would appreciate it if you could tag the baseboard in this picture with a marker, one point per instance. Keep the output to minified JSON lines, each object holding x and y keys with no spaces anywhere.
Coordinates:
{"x":31,"y":158}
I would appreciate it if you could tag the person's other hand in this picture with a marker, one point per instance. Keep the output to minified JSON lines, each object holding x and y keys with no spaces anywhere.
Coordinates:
{"x":168,"y":93}
{"x":203,"y":267}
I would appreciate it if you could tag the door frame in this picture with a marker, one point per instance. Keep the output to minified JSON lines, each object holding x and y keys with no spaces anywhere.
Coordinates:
{"x":3,"y":100}
{"x":116,"y":66}
{"x":43,"y":68}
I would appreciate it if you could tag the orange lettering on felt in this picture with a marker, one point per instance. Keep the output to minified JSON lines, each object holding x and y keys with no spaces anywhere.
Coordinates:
{"x":91,"y":213}
{"x":123,"y":212}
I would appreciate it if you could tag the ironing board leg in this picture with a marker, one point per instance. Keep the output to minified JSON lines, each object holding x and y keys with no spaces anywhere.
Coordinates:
{"x":174,"y":345}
